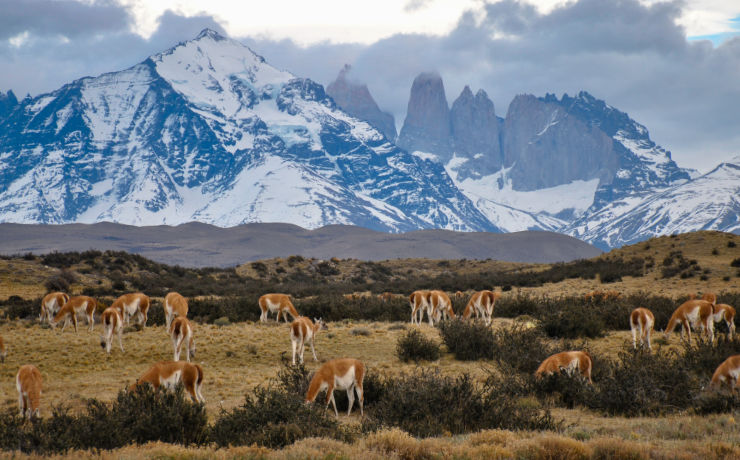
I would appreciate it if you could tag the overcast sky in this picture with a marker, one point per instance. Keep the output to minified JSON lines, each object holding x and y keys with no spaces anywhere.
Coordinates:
{"x":672,"y":66}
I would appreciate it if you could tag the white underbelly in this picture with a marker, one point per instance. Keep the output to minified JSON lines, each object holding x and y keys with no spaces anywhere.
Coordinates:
{"x":345,"y":381}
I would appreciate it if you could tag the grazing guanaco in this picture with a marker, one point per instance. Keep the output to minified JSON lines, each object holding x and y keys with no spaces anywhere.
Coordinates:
{"x":642,"y":321}
{"x":181,"y":332}
{"x":51,"y":304}
{"x":135,"y":304}
{"x":418,"y":303}
{"x":72,"y":308}
{"x":697,"y":313}
{"x":112,"y":323}
{"x":709,"y":297}
{"x":570,"y":361}
{"x":482,"y":303}
{"x":3,"y":351}
{"x":724,"y":312}
{"x":440,"y":305}
{"x":174,"y":305}
{"x":170,"y":373}
{"x":338,"y":374}
{"x":727,"y":373}
{"x":304,"y":330}
{"x":28,"y":383}
{"x":277,"y":302}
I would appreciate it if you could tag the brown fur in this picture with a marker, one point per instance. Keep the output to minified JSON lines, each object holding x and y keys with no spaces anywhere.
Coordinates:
{"x":181,"y":332}
{"x":724,"y":374}
{"x":3,"y":352}
{"x":280,"y":302}
{"x":191,"y":376}
{"x":724,"y":312}
{"x":480,"y":304}
{"x":327,"y":376}
{"x":642,"y":320}
{"x":28,"y":382}
{"x":174,"y":305}
{"x":564,"y":360}
{"x":51,"y":304}
{"x":704,"y":312}
{"x":709,"y":297}
{"x":135,"y":304}
{"x":440,"y":305}
{"x":72,"y":308}
{"x":418,"y":303}
{"x":112,"y":323}
{"x":304,"y":330}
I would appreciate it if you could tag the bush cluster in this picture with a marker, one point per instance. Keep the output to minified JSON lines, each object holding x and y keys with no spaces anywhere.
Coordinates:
{"x":467,"y":340}
{"x":426,"y":403}
{"x":140,"y":416}
{"x":415,"y":346}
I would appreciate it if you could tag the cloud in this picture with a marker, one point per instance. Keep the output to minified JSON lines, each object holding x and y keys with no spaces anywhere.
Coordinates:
{"x":634,"y":56}
{"x":44,"y":58}
{"x":416,"y":5}
{"x":65,"y":18}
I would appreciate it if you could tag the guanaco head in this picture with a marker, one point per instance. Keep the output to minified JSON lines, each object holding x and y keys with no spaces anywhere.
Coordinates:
{"x":320,"y":324}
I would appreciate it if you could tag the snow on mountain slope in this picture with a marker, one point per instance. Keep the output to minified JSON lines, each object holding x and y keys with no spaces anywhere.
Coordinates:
{"x":209,"y":131}
{"x":709,"y":202}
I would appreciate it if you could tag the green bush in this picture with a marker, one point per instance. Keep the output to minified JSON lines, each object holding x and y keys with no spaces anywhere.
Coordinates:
{"x":572,"y":321}
{"x":275,"y":415}
{"x":425,"y":403}
{"x":415,"y":346}
{"x":140,"y":416}
{"x":521,"y":348}
{"x":643,"y":383}
{"x":467,"y":340}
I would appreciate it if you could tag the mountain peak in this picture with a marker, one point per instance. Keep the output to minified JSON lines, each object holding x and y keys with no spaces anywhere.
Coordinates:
{"x":355,"y":99}
{"x":210,"y":33}
{"x":427,"y":124}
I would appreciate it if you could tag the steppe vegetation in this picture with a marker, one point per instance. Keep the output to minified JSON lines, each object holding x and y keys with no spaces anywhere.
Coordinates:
{"x":462,"y":390}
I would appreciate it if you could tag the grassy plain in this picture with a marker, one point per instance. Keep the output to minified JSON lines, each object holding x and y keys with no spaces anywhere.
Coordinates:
{"x":239,"y":356}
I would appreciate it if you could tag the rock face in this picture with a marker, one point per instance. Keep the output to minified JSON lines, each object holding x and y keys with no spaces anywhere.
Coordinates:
{"x":546,"y":146}
{"x":8,"y":102}
{"x":476,"y":132}
{"x":427,"y":126}
{"x":355,"y":99}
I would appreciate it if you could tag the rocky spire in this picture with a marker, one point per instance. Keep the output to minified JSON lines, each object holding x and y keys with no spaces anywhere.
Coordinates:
{"x":427,"y":125}
{"x":355,"y":99}
{"x":475,"y":129}
{"x":8,"y":102}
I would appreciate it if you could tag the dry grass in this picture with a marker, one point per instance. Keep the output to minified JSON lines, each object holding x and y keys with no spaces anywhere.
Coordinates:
{"x":238,"y":357}
{"x":396,"y":444}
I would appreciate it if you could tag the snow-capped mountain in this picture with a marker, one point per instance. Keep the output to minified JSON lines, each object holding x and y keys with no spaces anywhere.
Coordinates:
{"x":209,"y":131}
{"x":709,"y":202}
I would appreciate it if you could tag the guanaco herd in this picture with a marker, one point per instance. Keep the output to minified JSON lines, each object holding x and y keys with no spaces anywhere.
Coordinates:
{"x":344,"y":373}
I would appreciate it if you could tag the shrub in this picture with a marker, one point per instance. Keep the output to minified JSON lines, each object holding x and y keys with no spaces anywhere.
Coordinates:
{"x":425,"y":403}
{"x":57,"y":283}
{"x":140,"y":416}
{"x":713,"y":402}
{"x":17,"y":307}
{"x":467,"y":340}
{"x":642,"y":383}
{"x":731,"y":244}
{"x":273,"y":417}
{"x":521,"y":348}
{"x":572,"y":321}
{"x":735,"y":262}
{"x":703,"y":357}
{"x":414,"y":346}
